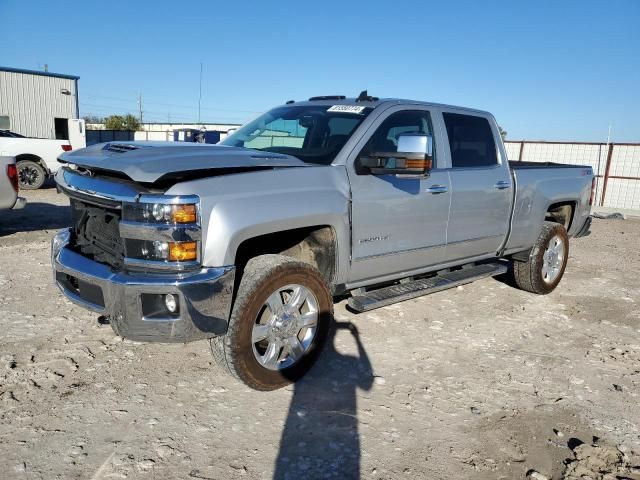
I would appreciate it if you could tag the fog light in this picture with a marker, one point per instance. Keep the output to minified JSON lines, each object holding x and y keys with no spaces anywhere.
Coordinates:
{"x":171,"y":302}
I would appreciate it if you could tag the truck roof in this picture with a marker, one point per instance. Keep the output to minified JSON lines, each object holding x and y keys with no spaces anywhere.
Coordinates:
{"x":375,"y":102}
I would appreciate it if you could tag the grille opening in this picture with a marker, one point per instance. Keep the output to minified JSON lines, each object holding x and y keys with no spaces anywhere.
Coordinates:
{"x":96,"y":234}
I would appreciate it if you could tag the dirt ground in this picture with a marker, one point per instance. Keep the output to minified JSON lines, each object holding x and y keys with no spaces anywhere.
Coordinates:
{"x":483,"y":381}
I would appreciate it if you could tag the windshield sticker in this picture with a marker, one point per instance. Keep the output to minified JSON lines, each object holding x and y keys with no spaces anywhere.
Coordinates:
{"x":346,"y":109}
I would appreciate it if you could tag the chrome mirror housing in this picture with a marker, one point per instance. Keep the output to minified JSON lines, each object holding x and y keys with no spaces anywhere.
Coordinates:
{"x":419,"y":143}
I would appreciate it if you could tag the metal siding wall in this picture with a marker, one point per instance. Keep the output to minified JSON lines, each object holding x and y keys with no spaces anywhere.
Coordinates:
{"x":33,"y":101}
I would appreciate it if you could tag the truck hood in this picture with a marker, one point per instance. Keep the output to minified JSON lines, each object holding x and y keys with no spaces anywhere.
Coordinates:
{"x":151,"y":162}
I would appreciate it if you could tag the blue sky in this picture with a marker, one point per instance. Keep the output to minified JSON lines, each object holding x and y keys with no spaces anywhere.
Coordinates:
{"x":554,"y":70}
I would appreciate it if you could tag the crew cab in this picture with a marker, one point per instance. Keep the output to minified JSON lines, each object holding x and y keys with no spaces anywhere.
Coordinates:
{"x":9,"y":198}
{"x":248,"y":242}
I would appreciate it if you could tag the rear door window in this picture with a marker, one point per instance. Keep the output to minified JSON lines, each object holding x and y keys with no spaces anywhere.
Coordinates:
{"x":471,"y":141}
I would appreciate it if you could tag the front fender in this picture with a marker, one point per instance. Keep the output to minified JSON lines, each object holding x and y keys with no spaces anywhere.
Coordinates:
{"x":239,"y":207}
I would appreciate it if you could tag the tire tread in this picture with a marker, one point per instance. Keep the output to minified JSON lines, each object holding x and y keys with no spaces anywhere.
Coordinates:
{"x":527,"y":275}
{"x":257,"y":271}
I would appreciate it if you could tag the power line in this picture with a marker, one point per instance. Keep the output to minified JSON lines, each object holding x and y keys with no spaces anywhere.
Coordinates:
{"x":147,"y":101}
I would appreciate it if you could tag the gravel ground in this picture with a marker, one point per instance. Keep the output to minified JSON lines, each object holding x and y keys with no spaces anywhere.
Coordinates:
{"x":483,"y":381}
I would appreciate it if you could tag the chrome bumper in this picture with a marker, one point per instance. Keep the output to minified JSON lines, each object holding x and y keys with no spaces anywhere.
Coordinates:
{"x":204,"y":296}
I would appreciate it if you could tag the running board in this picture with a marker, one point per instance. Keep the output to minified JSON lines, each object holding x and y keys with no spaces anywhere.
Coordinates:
{"x":362,"y":302}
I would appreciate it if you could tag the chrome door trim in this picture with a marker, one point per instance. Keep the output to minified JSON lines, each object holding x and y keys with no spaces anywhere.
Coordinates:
{"x":399,"y":252}
{"x":474,"y":239}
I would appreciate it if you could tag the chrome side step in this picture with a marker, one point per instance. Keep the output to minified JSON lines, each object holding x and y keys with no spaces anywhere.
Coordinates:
{"x":363,"y":301}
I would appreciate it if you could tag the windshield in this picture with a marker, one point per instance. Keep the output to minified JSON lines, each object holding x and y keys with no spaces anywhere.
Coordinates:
{"x":314,"y":134}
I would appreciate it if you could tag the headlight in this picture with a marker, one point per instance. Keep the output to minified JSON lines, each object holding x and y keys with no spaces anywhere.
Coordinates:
{"x":161,"y":213}
{"x":162,"y":229}
{"x":162,"y":251}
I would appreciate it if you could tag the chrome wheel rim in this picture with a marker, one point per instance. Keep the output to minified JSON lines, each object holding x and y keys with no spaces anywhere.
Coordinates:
{"x":28,"y":176}
{"x":285,"y":327}
{"x":553,"y":259}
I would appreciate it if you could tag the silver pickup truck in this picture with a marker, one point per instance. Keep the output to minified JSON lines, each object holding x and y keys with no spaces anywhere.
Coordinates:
{"x":247,"y":243}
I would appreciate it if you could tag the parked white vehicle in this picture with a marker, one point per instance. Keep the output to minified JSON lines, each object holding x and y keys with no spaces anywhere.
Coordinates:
{"x":9,"y":185}
{"x":36,"y":158}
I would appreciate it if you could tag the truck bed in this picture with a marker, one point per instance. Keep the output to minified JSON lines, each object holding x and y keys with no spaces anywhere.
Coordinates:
{"x":520,"y":165}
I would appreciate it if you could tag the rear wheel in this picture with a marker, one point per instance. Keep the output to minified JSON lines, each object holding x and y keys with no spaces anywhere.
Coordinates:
{"x":31,"y":175}
{"x":278,"y":325}
{"x":544,"y":268}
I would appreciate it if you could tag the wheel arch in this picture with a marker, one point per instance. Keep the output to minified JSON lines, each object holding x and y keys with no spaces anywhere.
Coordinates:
{"x":314,"y":244}
{"x":33,"y":158}
{"x":562,"y":213}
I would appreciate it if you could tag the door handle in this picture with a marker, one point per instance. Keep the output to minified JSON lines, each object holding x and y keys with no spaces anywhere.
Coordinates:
{"x":435,"y":189}
{"x":502,"y":184}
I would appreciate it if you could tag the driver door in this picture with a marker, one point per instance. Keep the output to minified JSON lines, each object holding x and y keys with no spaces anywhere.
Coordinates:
{"x":399,"y":222}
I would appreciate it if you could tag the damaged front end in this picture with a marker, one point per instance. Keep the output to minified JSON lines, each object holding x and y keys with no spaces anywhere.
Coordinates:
{"x":135,"y":256}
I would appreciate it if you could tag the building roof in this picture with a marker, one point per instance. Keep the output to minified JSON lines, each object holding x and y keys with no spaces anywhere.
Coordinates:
{"x":38,"y":72}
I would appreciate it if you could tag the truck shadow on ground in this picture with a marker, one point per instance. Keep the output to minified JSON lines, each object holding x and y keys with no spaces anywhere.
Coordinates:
{"x":508,"y":277}
{"x":34,"y":216}
{"x":320,"y":437}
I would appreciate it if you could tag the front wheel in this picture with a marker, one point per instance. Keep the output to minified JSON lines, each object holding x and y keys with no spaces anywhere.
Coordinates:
{"x":544,"y":268}
{"x":31,"y":175}
{"x":278,"y":325}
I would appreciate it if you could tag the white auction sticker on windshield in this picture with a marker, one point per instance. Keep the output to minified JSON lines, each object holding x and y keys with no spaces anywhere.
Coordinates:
{"x":346,"y":109}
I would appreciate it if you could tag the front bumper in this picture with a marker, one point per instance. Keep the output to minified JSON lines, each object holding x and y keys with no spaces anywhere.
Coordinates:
{"x":204,"y":296}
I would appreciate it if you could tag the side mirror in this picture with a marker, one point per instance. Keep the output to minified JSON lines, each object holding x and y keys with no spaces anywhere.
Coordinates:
{"x":414,"y":156}
{"x":416,"y":143}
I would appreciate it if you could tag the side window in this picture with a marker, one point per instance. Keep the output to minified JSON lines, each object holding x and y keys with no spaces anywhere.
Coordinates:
{"x":5,"y":122}
{"x":385,"y":138}
{"x":471,"y":141}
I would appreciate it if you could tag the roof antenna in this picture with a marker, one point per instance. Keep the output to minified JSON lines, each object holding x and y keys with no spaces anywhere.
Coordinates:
{"x":363,"y":97}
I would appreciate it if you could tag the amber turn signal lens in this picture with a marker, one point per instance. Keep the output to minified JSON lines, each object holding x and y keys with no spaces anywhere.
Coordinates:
{"x":423,"y":164}
{"x":183,"y":251}
{"x":184,"y":214}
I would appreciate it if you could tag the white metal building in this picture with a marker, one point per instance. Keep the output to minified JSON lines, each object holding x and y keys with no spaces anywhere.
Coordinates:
{"x":37,"y":104}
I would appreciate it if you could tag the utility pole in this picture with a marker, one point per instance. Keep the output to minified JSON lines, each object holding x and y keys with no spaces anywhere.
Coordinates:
{"x":200,"y":96}
{"x":140,"y":107}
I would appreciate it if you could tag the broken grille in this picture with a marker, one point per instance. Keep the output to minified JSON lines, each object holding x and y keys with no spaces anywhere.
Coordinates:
{"x":97,"y":234}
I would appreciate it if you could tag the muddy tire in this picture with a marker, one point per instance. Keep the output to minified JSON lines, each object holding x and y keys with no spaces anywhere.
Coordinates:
{"x":31,"y":175}
{"x":547,"y":261}
{"x":278,"y":325}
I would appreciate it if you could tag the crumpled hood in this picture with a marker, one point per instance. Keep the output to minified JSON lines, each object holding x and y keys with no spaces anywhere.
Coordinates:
{"x":147,"y":162}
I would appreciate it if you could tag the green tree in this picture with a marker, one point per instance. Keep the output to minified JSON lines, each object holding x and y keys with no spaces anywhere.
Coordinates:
{"x":93,"y":119}
{"x":503,"y":132}
{"x":121,"y":122}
